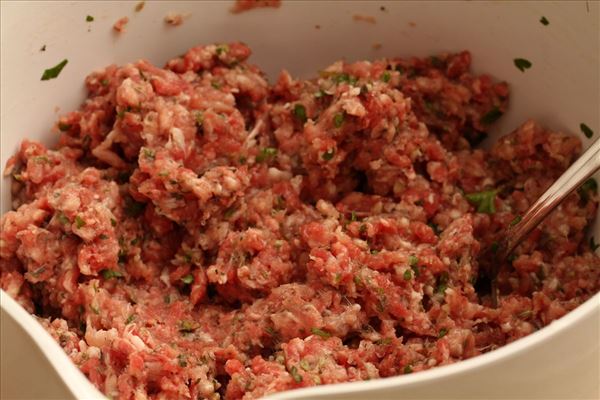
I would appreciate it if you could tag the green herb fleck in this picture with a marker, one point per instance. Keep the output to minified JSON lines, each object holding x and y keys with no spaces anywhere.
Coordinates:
{"x":442,"y":283}
{"x":130,"y":319}
{"x":79,"y":222}
{"x":53,"y":72}
{"x":104,"y":82}
{"x":89,"y":18}
{"x":94,"y":309}
{"x":383,"y":342}
{"x":187,"y":326}
{"x":63,"y":127}
{"x":357,"y":280}
{"x":483,"y":200}
{"x":544,"y":21}
{"x":320,"y":93}
{"x":229,"y":212}
{"x":491,"y":116}
{"x":304,"y":365}
{"x":149,"y":153}
{"x":109,"y":274}
{"x":338,"y":120}
{"x":215,"y":85}
{"x":408,"y":369}
{"x":587,"y":188}
{"x":103,"y":236}
{"x":328,"y":155}
{"x":113,"y":222}
{"x":525,"y":314}
{"x":586,"y":130}
{"x":266,"y":154}
{"x":199,"y":117}
{"x":593,"y":244}
{"x":167,"y":299}
{"x":181,"y":360}
{"x":407,"y":275}
{"x":222,"y":49}
{"x":187,"y":279}
{"x":374,"y":251}
{"x":442,"y":333}
{"x":413,"y":260}
{"x":515,"y":221}
{"x":294,"y":373}
{"x":62,"y":218}
{"x":522,"y":64}
{"x":353,"y":216}
{"x":320,"y":332}
{"x":300,"y":113}
{"x":386,"y":76}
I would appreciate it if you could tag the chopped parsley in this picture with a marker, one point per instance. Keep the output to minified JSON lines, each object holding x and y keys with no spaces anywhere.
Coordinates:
{"x":586,"y":130}
{"x":328,"y":155}
{"x":187,"y":279}
{"x":300,"y":113}
{"x":338,"y":120}
{"x":186,"y":326}
{"x":104,"y":82}
{"x":320,"y":332}
{"x":62,"y":218}
{"x":384,"y":341}
{"x":413,"y":260}
{"x":149,"y":153}
{"x":386,"y":76}
{"x":407,"y":275}
{"x":525,"y":314}
{"x":222,"y":49}
{"x":63,"y":127}
{"x":113,"y":222}
{"x":442,"y":333}
{"x":199,"y":117}
{"x":522,"y":64}
{"x":491,"y":116}
{"x":593,"y":245}
{"x":215,"y":85}
{"x":353,"y":216}
{"x":53,"y":72}
{"x":343,"y":77}
{"x":266,"y":154}
{"x":79,"y":222}
{"x":229,"y":212}
{"x":109,"y":274}
{"x":89,"y":18}
{"x":294,"y":373}
{"x":408,"y":369}
{"x":483,"y":200}
{"x":442,"y":283}
{"x":544,"y":21}
{"x":515,"y":221}
{"x":587,"y":188}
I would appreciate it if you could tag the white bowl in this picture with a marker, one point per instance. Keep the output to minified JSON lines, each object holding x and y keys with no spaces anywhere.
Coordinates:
{"x":561,"y":90}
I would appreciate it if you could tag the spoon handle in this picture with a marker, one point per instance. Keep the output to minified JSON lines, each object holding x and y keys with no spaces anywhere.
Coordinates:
{"x":571,"y":179}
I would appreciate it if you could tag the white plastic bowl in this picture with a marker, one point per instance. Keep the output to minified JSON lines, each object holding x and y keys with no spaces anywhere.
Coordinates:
{"x":561,"y":90}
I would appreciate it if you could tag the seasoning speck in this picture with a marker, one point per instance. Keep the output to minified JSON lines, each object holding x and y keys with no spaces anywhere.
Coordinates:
{"x":53,"y":72}
{"x":139,"y":6}
{"x":43,"y":48}
{"x":89,"y":18}
{"x":522,"y":64}
{"x":587,"y":131}
{"x":544,"y":21}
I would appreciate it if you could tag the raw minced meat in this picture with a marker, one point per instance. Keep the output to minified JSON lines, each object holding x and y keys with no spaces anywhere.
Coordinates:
{"x":200,"y":233}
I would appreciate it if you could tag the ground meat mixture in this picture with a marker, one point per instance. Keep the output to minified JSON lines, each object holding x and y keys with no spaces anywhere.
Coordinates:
{"x":199,"y":233}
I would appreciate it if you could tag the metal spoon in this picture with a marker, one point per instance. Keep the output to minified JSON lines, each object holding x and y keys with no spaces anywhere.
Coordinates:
{"x":585,"y":166}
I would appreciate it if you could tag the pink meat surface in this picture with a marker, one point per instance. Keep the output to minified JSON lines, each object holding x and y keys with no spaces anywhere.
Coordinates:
{"x":199,"y":233}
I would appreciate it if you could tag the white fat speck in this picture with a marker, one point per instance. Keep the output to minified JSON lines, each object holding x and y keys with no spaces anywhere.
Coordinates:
{"x":454,"y":214}
{"x":164,"y":277}
{"x":430,"y":198}
{"x":177,"y":137}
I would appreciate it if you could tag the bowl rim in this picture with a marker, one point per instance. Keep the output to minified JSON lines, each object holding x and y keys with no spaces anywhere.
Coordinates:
{"x":81,"y":387}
